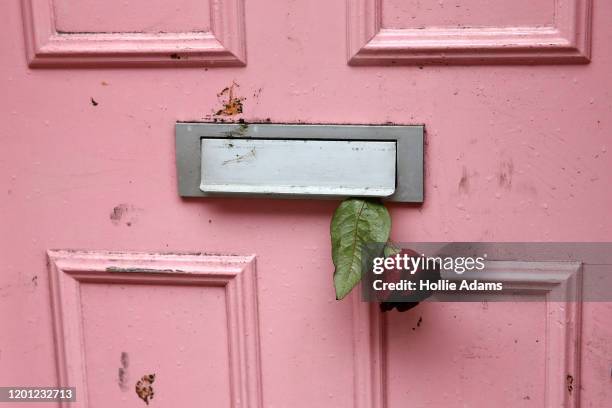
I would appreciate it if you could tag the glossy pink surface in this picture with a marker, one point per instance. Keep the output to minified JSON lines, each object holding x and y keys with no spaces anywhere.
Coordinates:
{"x":466,"y":13}
{"x":127,"y":16}
{"x":514,"y":153}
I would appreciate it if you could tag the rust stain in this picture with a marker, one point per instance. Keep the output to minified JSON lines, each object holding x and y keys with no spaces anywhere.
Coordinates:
{"x":233,"y":105}
{"x":144,"y":388}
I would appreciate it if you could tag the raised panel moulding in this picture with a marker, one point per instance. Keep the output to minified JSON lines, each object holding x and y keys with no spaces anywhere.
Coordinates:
{"x":554,"y":280}
{"x":568,"y":40}
{"x":236,"y":274}
{"x":225,"y":45}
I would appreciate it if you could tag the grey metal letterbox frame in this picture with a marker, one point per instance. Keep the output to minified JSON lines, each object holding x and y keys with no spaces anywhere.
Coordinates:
{"x":408,"y":139}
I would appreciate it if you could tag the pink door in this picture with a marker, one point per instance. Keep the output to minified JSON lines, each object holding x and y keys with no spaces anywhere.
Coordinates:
{"x":108,"y":277}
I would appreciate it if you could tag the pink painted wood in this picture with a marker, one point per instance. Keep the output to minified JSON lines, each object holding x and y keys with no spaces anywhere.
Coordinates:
{"x":561,"y":334}
{"x":515,"y":152}
{"x":567,"y":40}
{"x":71,"y":270}
{"x":223,"y":45}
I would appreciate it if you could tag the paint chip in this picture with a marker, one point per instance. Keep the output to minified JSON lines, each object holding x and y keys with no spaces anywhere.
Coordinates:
{"x":570,"y":383}
{"x":233,"y":105}
{"x":144,"y":388}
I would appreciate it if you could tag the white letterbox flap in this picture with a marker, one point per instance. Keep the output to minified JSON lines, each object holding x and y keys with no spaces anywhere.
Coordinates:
{"x":290,"y":166}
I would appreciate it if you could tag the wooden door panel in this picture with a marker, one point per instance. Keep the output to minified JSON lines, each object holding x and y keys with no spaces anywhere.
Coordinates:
{"x":90,"y":34}
{"x":472,"y":13}
{"x":390,"y":33}
{"x":89,"y":16}
{"x":189,"y":321}
{"x":469,"y":350}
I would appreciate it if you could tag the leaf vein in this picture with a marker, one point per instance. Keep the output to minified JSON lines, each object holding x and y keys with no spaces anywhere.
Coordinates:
{"x":363,"y":204}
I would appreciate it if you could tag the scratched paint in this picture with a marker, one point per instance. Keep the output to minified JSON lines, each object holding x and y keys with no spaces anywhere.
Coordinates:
{"x":123,"y":372}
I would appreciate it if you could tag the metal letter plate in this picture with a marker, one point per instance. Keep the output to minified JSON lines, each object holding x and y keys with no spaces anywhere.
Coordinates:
{"x":293,"y":167}
{"x":311,"y":167}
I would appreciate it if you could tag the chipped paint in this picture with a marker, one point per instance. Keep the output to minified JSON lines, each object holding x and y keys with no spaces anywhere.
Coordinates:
{"x":569,"y":380}
{"x":233,"y":105}
{"x":144,"y":388}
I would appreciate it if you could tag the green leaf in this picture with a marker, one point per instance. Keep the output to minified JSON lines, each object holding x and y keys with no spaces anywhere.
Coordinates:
{"x":391,"y":249}
{"x":356,"y":223}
